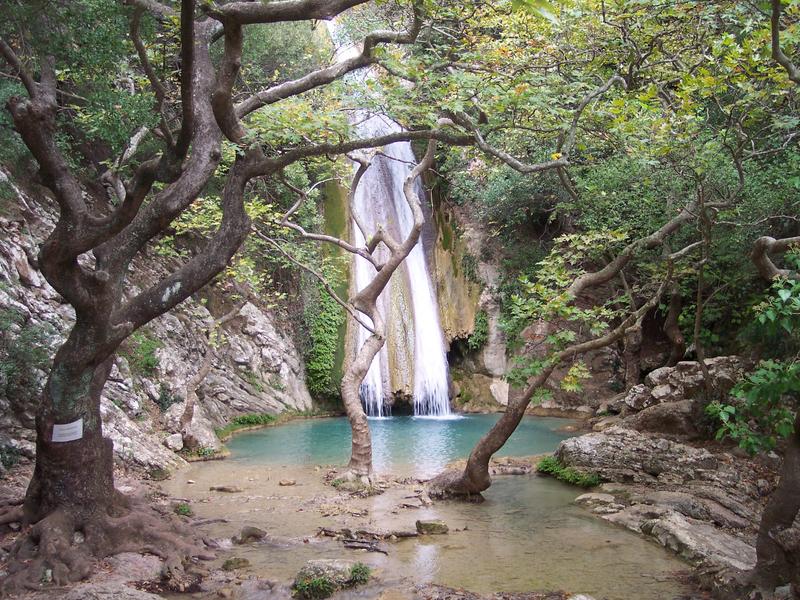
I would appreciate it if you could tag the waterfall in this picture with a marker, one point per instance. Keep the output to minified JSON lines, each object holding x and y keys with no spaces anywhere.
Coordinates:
{"x":379,"y":199}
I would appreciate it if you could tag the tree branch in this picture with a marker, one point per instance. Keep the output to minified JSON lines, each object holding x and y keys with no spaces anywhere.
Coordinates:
{"x":564,"y":146}
{"x":777,"y":53}
{"x":333,"y":72}
{"x":764,"y":247}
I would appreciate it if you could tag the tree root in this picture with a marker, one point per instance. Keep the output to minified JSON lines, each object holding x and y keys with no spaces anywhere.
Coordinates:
{"x":11,"y":514}
{"x":451,"y":485}
{"x":63,"y":547}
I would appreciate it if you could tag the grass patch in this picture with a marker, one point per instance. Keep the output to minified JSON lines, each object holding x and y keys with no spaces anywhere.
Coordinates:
{"x":313,"y":589}
{"x":245,"y":422}
{"x":183,"y":510}
{"x":551,"y":466}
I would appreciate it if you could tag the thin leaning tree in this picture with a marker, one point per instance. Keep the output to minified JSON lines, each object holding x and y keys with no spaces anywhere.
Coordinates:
{"x":88,"y":256}
{"x":386,"y":254}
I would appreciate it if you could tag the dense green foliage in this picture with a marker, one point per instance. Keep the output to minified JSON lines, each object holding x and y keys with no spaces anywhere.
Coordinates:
{"x":764,"y":402}
{"x":550,"y":465}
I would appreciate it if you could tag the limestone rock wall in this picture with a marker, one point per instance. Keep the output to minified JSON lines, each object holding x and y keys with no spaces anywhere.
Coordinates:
{"x":257,"y":369}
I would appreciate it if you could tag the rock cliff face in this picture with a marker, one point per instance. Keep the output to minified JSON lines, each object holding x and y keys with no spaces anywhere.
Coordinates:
{"x":466,"y":286}
{"x":255,"y":369}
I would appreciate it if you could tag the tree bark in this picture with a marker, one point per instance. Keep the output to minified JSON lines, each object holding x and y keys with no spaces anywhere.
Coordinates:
{"x":632,"y":356}
{"x":61,"y":478}
{"x":672,"y":329}
{"x":777,"y":546}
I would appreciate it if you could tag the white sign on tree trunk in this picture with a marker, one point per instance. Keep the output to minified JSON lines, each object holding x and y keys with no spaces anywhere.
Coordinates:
{"x":68,"y":432}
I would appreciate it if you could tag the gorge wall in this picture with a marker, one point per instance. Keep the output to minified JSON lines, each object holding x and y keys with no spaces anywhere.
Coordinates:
{"x":256,"y":368}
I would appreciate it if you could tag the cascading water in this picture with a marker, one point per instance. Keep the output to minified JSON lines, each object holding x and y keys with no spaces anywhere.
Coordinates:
{"x":379,"y":199}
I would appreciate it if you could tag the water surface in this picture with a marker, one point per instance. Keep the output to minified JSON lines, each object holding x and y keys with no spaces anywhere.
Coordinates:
{"x":399,"y":444}
{"x":527,"y":535}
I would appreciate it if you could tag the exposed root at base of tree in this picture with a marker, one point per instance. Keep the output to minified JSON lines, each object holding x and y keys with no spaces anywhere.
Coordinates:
{"x":11,"y":514}
{"x":64,"y":547}
{"x":450,"y":485}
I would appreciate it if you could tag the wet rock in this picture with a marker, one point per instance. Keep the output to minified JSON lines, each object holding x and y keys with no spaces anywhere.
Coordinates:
{"x":698,"y":541}
{"x":335,"y":570}
{"x":250,"y":534}
{"x":432,"y":527}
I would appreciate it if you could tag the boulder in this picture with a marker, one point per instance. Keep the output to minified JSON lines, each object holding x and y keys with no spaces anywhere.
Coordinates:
{"x":625,"y":455}
{"x":133,"y":444}
{"x":672,"y":418}
{"x":250,"y":534}
{"x":199,"y":432}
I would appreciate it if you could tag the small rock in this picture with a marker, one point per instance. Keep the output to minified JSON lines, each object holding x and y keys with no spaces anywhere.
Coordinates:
{"x":191,"y":481}
{"x":287,"y":482}
{"x":225,"y":593}
{"x":432,"y":527}
{"x":235,"y":563}
{"x":227,"y":489}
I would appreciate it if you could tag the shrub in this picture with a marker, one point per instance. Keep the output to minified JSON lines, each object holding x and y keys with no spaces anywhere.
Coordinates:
{"x":9,"y":456}
{"x":166,"y":398}
{"x":141,"y":353}
{"x":24,"y":353}
{"x":359,"y":574}
{"x":480,"y":331}
{"x":313,"y":589}
{"x":551,"y":466}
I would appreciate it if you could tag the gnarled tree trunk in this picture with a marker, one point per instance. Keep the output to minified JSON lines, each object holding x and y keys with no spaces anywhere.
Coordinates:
{"x":778,"y":543}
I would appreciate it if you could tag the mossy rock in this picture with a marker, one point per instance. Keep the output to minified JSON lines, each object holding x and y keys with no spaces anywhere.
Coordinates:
{"x":234,"y":563}
{"x":433,"y":527}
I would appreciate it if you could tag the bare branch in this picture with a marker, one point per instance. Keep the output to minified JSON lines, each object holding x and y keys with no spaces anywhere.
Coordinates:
{"x":280,"y":10}
{"x":13,"y":60}
{"x":328,"y":288}
{"x":333,"y":72}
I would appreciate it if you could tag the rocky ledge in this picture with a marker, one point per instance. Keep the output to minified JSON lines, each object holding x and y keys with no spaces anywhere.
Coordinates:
{"x":664,"y":479}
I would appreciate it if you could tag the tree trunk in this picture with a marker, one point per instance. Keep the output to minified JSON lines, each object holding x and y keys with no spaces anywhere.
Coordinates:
{"x":632,"y":356}
{"x":475,"y":478}
{"x":672,"y":329}
{"x":61,"y":479}
{"x":777,"y":545}
{"x":361,"y":454}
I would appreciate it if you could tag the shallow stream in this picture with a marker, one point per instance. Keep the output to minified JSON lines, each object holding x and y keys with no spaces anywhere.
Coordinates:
{"x":526,"y":536}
